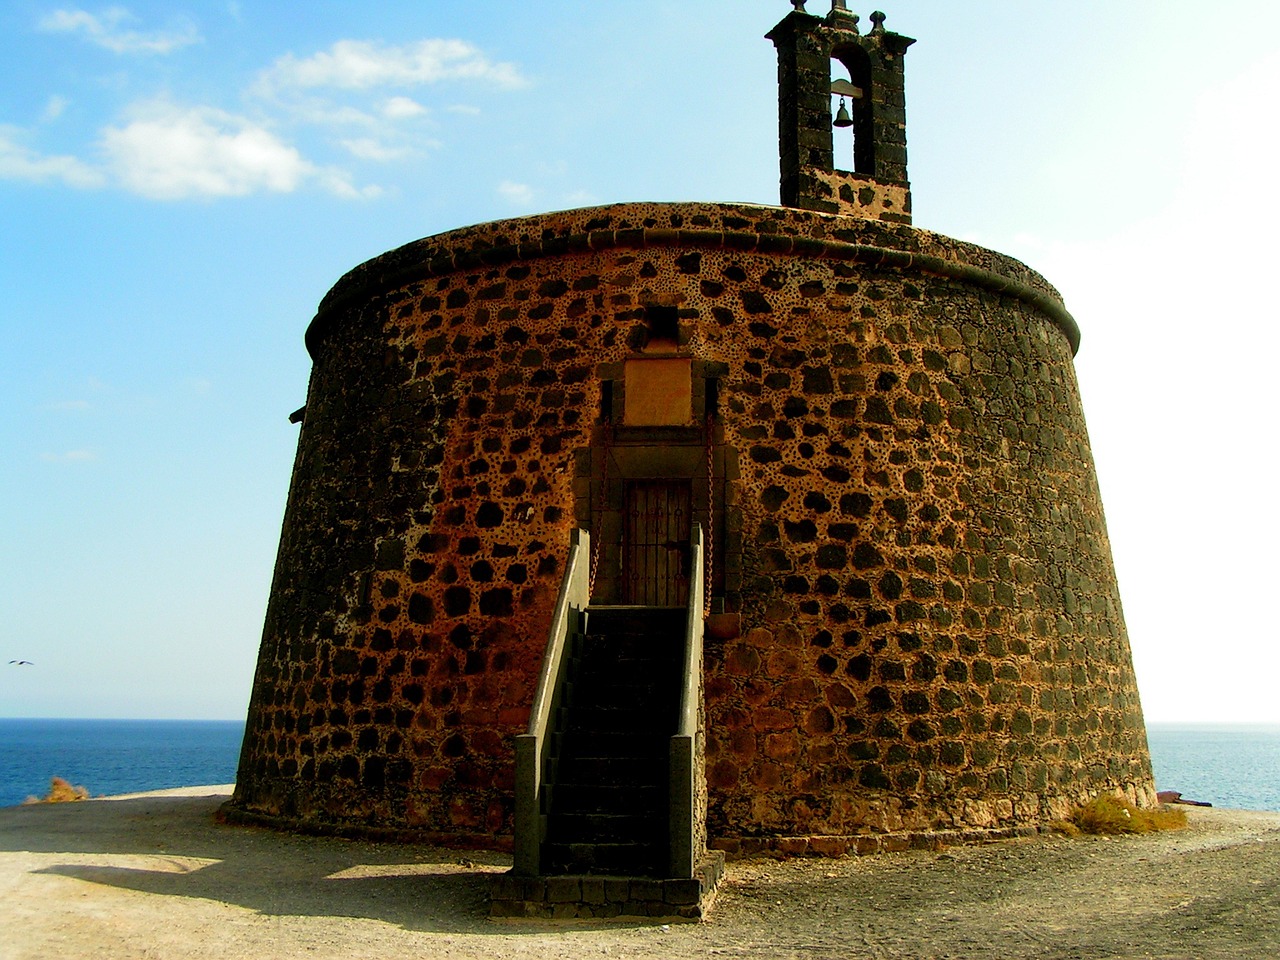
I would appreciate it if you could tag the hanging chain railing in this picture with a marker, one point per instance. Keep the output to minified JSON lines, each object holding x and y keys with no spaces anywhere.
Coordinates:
{"x":602,"y":493}
{"x":711,"y":516}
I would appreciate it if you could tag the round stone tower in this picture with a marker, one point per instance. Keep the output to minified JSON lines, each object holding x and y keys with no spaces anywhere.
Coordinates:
{"x":913,"y":624}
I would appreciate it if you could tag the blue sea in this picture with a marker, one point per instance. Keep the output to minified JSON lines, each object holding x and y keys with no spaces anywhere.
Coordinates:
{"x":108,"y":757}
{"x":1228,"y":766}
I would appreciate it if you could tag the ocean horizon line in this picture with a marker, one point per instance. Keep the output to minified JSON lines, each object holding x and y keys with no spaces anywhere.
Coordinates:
{"x":129,"y":719}
{"x":1223,"y":724}
{"x":1231,"y":764}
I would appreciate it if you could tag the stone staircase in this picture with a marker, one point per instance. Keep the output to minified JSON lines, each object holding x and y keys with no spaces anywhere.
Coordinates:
{"x":607,"y":796}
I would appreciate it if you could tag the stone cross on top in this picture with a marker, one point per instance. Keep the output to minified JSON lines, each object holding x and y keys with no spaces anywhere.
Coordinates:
{"x":835,"y":5}
{"x":841,"y":8}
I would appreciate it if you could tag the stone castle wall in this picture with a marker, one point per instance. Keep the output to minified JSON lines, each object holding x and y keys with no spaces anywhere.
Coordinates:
{"x":918,"y":626}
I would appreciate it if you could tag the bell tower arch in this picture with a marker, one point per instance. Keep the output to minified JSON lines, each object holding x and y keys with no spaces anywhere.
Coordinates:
{"x":820,"y":169}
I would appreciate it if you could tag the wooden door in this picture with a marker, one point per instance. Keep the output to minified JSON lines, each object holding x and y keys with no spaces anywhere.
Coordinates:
{"x":656,"y":529}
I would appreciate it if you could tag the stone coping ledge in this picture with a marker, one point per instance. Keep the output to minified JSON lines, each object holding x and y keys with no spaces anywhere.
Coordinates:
{"x":743,"y":228}
{"x":861,"y":845}
{"x":230,"y":813}
{"x":592,"y":897}
{"x":732,"y":848}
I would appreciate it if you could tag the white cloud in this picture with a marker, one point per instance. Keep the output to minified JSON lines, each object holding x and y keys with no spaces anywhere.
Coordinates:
{"x":18,"y":162}
{"x":367,"y":148}
{"x":326,"y":114}
{"x":170,"y":153}
{"x":361,"y":64}
{"x":520,"y":194}
{"x":352,"y":87}
{"x":164,"y":151}
{"x":338,"y":182}
{"x":70,"y":456}
{"x":402,"y":108}
{"x":107,"y":31}
{"x":54,"y":107}
{"x":465,"y":109}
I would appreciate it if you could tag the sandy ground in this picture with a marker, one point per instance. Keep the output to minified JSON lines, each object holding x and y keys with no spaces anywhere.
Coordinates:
{"x":153,"y":876}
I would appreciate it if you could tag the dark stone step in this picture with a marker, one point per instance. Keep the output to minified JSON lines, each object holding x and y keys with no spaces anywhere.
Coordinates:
{"x":624,"y":680}
{"x":658,"y":704}
{"x":616,"y":859}
{"x":604,"y":798}
{"x":610,"y":655}
{"x":595,"y":828}
{"x":594,"y":683}
{"x":607,"y":784}
{"x":595,"y":743}
{"x":611,"y":771}
{"x":607,"y":670}
{"x":648,"y":627}
{"x":649,"y":645}
{"x":604,"y":720}
{"x":618,"y":720}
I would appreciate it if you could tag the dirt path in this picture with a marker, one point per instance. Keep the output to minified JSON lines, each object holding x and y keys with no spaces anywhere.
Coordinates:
{"x":152,"y":876}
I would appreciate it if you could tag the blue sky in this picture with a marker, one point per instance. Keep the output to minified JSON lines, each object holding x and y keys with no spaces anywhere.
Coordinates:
{"x":180,"y":183}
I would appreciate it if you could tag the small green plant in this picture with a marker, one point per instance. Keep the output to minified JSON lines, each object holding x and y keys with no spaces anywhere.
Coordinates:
{"x":60,"y":791}
{"x":1111,"y":816}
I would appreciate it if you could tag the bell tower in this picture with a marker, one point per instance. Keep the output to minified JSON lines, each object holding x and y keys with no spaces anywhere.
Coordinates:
{"x":837,"y":84}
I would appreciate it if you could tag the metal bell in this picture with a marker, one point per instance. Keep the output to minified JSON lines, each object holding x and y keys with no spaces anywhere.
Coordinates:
{"x":842,"y":116}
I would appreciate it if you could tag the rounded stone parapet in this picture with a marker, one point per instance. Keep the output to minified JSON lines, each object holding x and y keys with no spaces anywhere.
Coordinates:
{"x":742,"y":228}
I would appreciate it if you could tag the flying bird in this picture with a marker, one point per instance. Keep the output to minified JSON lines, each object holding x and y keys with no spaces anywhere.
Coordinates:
{"x":22,"y":663}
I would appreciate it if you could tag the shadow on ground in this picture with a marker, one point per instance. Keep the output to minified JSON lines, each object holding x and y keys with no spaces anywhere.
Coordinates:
{"x":1215,"y":886}
{"x":172,"y":846}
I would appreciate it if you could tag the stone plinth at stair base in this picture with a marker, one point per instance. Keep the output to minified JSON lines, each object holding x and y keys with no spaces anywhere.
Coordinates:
{"x":587,"y":897}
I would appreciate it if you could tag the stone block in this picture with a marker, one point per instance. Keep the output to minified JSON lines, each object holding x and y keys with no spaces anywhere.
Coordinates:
{"x":563,"y":889}
{"x":710,"y":869}
{"x":793,"y":846}
{"x":681,"y":891}
{"x":505,"y":909}
{"x":507,"y":886}
{"x":829,"y":846}
{"x":647,"y":890}
{"x":728,"y":845}
{"x":516,"y":909}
